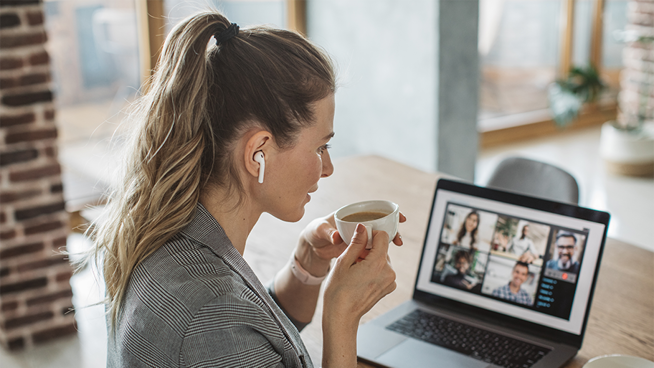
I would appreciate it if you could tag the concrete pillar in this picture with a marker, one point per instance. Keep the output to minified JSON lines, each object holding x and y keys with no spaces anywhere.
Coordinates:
{"x":457,"y":87}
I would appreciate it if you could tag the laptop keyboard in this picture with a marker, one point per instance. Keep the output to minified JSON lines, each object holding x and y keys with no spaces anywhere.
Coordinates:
{"x":471,"y":341}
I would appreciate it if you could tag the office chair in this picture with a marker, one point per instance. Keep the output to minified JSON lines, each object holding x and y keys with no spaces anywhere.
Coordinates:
{"x":535,"y":178}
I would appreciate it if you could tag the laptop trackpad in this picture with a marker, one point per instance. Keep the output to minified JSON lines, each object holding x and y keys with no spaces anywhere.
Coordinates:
{"x":415,"y":354}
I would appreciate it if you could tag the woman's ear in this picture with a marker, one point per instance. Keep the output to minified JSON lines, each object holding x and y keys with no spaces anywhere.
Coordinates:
{"x":256,"y":146}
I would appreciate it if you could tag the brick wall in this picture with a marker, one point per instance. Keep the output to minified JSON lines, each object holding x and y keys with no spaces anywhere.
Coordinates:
{"x":638,"y":59}
{"x":35,"y":292}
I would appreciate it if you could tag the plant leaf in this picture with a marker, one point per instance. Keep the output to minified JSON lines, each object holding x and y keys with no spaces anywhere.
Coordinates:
{"x":564,"y":104}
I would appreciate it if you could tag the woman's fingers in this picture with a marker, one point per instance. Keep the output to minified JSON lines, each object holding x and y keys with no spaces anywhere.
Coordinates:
{"x":357,"y":245}
{"x":357,"y":283}
{"x":379,"y":243}
{"x":397,"y":240}
{"x":336,"y":237}
{"x":323,"y":238}
{"x":324,"y":232}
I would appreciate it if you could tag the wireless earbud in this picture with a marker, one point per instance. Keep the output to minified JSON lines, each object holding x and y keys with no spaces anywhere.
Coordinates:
{"x":258,"y":157}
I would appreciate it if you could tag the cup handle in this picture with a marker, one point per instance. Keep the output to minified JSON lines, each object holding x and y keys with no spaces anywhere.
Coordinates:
{"x":369,"y":231}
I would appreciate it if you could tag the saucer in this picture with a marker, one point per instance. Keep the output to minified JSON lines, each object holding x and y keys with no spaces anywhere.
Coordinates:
{"x":618,"y":361}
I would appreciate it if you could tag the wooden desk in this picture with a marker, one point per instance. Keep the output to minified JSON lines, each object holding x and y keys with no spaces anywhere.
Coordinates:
{"x":622,"y":314}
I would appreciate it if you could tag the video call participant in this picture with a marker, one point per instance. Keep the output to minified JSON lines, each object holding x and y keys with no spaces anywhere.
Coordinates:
{"x":467,"y":235}
{"x":513,"y":291}
{"x":523,"y":246}
{"x":462,"y":264}
{"x":566,"y":246}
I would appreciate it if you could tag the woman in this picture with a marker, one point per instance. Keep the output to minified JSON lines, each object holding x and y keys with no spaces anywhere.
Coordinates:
{"x":523,"y":247}
{"x":467,"y":235}
{"x":226,"y":132}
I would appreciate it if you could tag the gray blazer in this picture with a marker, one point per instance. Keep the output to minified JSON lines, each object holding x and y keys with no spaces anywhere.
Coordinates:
{"x":195,"y":302}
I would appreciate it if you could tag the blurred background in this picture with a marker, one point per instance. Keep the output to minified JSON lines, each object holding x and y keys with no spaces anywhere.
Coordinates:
{"x":453,"y":86}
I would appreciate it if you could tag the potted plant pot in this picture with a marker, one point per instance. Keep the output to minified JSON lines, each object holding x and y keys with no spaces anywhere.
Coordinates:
{"x":628,"y":152}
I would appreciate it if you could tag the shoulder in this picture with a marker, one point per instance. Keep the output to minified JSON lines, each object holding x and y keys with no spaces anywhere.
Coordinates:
{"x":500,"y":289}
{"x":189,"y":272}
{"x":233,"y":328}
{"x":171,"y":285}
{"x":524,"y":297}
{"x":182,"y":290}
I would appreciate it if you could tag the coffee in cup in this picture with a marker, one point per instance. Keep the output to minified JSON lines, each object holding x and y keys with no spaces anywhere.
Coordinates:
{"x":364,"y":216}
{"x":374,"y":215}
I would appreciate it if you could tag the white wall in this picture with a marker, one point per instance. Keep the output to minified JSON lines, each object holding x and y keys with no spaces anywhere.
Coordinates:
{"x":387,"y":55}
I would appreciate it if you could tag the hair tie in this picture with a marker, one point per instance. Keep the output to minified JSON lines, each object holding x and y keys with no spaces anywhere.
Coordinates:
{"x":225,"y":35}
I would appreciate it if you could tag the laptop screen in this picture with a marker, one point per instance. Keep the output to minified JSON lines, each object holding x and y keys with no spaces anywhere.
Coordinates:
{"x":534,"y":264}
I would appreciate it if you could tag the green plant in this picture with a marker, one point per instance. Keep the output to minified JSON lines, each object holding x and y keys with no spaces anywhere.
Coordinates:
{"x":567,"y":96}
{"x":506,"y":226}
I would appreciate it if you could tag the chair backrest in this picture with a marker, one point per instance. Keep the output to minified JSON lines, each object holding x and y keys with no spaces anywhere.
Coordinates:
{"x":535,"y":178}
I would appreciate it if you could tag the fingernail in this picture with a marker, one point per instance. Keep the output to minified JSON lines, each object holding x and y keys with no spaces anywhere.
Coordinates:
{"x":360,"y":228}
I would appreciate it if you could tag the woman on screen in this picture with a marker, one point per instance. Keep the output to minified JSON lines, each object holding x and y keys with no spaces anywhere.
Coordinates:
{"x":467,"y":235}
{"x":523,"y":246}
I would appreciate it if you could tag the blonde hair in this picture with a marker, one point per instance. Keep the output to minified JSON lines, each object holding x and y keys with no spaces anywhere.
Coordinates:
{"x":200,"y":99}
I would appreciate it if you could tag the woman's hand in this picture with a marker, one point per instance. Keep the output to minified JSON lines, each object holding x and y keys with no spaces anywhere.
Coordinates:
{"x":320,"y":242}
{"x":356,"y":285}
{"x":322,"y":238}
{"x":353,"y":287}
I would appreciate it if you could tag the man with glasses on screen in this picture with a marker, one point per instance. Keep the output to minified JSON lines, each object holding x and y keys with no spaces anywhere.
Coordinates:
{"x":566,"y":246}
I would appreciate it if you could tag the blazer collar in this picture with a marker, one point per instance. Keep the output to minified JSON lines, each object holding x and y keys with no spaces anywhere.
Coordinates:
{"x":206,"y":230}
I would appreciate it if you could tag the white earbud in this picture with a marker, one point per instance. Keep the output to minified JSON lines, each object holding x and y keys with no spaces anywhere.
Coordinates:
{"x":258,"y":157}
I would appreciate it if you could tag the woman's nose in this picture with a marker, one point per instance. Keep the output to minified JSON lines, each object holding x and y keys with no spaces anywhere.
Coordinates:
{"x":327,"y":166}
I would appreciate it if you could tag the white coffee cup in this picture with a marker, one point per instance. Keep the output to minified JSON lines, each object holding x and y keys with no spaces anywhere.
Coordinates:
{"x":618,"y":361}
{"x":388,"y":223}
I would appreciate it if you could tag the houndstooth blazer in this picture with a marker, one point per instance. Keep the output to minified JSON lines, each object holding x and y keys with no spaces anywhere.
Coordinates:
{"x":195,"y":302}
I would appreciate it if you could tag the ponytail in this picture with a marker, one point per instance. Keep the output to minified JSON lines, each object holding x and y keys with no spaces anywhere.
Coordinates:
{"x":161,"y":178}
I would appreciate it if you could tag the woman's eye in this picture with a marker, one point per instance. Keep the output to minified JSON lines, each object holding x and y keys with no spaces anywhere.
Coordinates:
{"x":324,"y":148}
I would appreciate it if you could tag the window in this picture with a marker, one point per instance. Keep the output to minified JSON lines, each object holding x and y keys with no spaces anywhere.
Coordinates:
{"x":242,"y":12}
{"x":93,"y":46}
{"x":525,"y":45}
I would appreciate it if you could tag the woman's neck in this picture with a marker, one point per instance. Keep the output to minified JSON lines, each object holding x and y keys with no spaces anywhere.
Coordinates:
{"x":236,"y":219}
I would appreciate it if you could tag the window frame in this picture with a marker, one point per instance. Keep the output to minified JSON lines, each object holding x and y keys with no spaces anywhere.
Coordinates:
{"x":151,"y":23}
{"x":150,"y":15}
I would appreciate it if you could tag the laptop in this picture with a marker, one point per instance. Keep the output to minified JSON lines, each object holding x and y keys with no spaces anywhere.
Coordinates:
{"x":505,"y":280}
